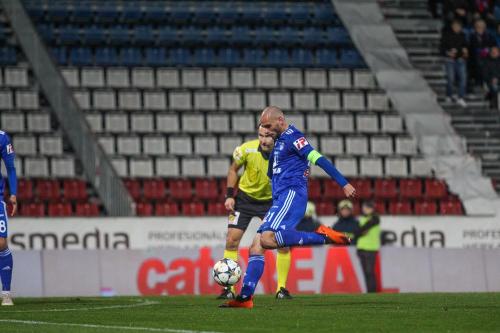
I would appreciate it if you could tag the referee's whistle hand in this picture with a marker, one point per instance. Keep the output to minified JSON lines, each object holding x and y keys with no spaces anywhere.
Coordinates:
{"x":349,"y":191}
{"x":229,"y":204}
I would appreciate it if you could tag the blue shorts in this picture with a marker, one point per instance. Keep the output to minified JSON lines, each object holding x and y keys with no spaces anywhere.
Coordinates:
{"x":4,"y":220}
{"x":286,"y":212}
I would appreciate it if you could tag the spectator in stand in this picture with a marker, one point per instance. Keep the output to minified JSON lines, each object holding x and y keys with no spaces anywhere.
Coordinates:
{"x":484,"y":9}
{"x":456,"y":9}
{"x":454,"y":48}
{"x":432,"y":5}
{"x":497,"y":35}
{"x":491,"y":74}
{"x":310,"y":220}
{"x":480,"y":43}
{"x":346,"y":222}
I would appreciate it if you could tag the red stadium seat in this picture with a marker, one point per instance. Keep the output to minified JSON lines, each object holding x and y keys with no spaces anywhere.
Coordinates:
{"x":380,"y":207}
{"x":385,"y":189}
{"x":325,"y":208}
{"x":400,"y":208}
{"x":450,"y":207}
{"x":193,"y":209}
{"x":48,"y":190}
{"x":88,"y":209}
{"x":154,"y":189}
{"x":410,"y":188}
{"x":134,"y":188}
{"x":60,"y":209}
{"x":24,"y":189}
{"x":356,"y":208}
{"x":75,"y":189}
{"x":217,"y":209}
{"x":34,"y":209}
{"x":166,"y":209}
{"x":206,"y":189}
{"x":363,"y":188}
{"x":425,"y":207}
{"x":435,"y":189}
{"x":180,"y":189}
{"x":144,"y":209}
{"x":314,"y":189}
{"x":331,"y":190}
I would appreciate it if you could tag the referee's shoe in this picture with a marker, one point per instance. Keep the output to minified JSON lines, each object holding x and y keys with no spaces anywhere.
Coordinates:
{"x":283,"y":294}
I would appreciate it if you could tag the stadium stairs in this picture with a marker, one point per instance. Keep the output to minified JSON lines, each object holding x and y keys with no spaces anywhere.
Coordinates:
{"x":420,"y":34}
{"x":169,"y":112}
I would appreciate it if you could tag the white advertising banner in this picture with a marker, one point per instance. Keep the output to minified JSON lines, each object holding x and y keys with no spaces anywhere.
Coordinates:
{"x":157,"y":233}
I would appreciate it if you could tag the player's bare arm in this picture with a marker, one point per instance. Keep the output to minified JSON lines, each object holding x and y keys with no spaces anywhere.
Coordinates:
{"x":232,"y":179}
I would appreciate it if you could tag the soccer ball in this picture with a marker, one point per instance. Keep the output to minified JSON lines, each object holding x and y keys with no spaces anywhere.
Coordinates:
{"x":226,"y":272}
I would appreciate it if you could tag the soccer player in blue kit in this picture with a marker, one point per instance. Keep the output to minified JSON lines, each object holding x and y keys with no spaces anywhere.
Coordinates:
{"x":289,"y":170}
{"x":7,"y":155}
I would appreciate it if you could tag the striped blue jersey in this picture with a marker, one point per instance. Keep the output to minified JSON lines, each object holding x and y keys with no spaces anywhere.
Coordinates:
{"x":290,"y":167}
{"x":7,"y":155}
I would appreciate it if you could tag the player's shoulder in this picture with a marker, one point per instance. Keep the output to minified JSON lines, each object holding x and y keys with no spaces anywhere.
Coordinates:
{"x":292,"y":133}
{"x":4,"y":137}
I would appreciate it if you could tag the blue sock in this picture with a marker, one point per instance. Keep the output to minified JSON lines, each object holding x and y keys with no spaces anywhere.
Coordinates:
{"x":252,"y":276}
{"x":287,"y":238}
{"x":6,"y":264}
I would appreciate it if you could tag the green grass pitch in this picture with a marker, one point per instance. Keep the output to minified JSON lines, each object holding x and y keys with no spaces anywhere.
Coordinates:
{"x":468,"y":312}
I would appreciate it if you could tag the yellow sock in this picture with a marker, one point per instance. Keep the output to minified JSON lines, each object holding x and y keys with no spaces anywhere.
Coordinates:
{"x":283,"y":261}
{"x":233,"y":255}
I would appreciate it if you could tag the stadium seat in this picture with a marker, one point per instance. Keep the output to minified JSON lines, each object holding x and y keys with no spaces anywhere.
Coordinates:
{"x":380,"y":207}
{"x":363,"y":188}
{"x":193,"y":209}
{"x":410,"y":188}
{"x":166,"y":209}
{"x":425,"y":207}
{"x":450,"y":207}
{"x":144,"y":209}
{"x":331,"y":190}
{"x":154,"y":189}
{"x":385,"y":189}
{"x":325,"y":208}
{"x":48,"y":190}
{"x":87,"y":209}
{"x":314,"y":192}
{"x":75,"y":189}
{"x":25,"y":190}
{"x":180,"y":189}
{"x":34,"y":209}
{"x":435,"y":189}
{"x":400,"y":208}
{"x":216,"y":209}
{"x":206,"y":189}
{"x":60,"y":209}
{"x":134,"y":188}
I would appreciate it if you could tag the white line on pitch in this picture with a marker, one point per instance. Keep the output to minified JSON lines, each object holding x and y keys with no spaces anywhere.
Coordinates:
{"x":104,"y":307}
{"x":96,"y":326}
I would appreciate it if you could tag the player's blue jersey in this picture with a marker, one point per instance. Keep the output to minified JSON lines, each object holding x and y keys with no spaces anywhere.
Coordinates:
{"x":290,"y":167}
{"x":7,"y":155}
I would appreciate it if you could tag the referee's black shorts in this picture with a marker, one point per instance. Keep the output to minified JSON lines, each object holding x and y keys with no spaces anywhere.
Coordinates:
{"x":245,"y":209}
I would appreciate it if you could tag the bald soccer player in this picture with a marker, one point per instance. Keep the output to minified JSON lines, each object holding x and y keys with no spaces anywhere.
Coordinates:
{"x":289,"y":170}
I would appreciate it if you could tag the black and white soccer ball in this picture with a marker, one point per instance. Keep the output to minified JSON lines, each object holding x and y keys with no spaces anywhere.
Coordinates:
{"x":226,"y":272}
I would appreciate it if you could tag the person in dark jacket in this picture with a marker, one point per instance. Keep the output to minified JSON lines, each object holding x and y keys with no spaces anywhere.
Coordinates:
{"x":346,"y":222}
{"x":480,"y":43}
{"x":454,"y":48}
{"x":491,"y":75}
{"x":309,"y":222}
{"x":456,"y":10}
{"x":368,"y":243}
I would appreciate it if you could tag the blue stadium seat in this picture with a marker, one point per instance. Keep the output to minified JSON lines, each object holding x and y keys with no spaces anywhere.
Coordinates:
{"x":216,"y":36}
{"x":192,"y":35}
{"x":106,"y":56}
{"x":82,"y":12}
{"x":204,"y":56}
{"x":274,"y":14}
{"x":324,"y":15}
{"x":326,"y":58}
{"x":8,"y":56}
{"x":299,"y":14}
{"x":57,"y":12}
{"x":312,"y":37}
{"x":351,"y":58}
{"x":253,"y":57}
{"x":241,"y":35}
{"x":155,"y":13}
{"x":264,"y":36}
{"x":131,"y":12}
{"x":107,"y":12}
{"x":302,"y":57}
{"x":118,"y":35}
{"x":167,"y":35}
{"x":228,"y":14}
{"x":229,"y":57}
{"x":497,"y":12}
{"x":204,"y":14}
{"x":156,"y":56}
{"x":36,"y":11}
{"x":180,"y":14}
{"x":289,"y":36}
{"x":46,"y":31}
{"x":143,"y":35}
{"x":277,"y":57}
{"x":251,"y":14}
{"x":180,"y":57}
{"x":69,"y":35}
{"x":94,"y":35}
{"x":337,"y":35}
{"x":130,"y":56}
{"x":80,"y":56}
{"x":60,"y":55}
{"x":2,"y":33}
